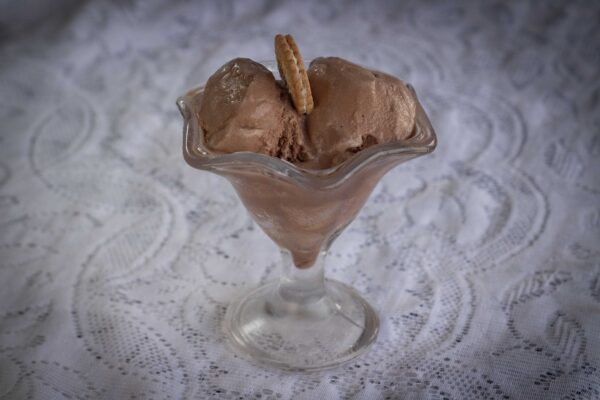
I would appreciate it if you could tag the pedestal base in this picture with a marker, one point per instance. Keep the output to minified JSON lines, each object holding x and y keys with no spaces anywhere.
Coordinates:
{"x":306,"y":336}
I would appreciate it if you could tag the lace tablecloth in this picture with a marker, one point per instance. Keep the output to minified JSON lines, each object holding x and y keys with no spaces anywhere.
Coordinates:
{"x":117,"y":260}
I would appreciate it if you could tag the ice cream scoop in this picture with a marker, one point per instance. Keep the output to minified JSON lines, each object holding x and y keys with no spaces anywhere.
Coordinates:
{"x":244,"y":108}
{"x":355,"y":108}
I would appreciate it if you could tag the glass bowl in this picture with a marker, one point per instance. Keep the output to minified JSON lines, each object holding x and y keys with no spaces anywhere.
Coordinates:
{"x":301,"y":321}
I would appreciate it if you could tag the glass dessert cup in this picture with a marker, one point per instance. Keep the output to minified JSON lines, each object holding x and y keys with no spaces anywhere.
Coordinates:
{"x":301,"y":321}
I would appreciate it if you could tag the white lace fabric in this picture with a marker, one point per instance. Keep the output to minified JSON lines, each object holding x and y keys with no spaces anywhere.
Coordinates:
{"x":117,"y":260}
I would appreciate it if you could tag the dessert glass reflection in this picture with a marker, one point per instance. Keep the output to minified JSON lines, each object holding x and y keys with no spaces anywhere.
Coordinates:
{"x":301,"y":321}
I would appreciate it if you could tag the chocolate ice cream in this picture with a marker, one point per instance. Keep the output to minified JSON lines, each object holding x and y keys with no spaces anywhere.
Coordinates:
{"x":355,"y":108}
{"x":245,"y":109}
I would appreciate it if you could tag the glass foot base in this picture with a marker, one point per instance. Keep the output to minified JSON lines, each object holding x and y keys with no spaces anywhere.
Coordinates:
{"x":303,"y":336}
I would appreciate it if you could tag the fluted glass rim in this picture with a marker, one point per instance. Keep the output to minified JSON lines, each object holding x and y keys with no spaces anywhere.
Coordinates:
{"x":197,"y":155}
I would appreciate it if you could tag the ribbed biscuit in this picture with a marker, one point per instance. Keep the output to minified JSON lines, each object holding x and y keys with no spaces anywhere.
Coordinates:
{"x":291,"y":68}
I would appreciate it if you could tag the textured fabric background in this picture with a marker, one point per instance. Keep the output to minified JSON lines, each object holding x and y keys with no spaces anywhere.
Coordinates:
{"x":117,"y":260}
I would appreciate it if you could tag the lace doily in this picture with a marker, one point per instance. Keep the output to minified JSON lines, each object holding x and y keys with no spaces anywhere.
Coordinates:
{"x":117,"y":260}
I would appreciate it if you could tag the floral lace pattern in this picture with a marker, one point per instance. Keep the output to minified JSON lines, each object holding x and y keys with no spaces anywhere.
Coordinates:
{"x":117,"y":260}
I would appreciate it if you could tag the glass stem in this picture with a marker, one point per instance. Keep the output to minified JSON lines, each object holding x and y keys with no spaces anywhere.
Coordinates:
{"x":302,"y":286}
